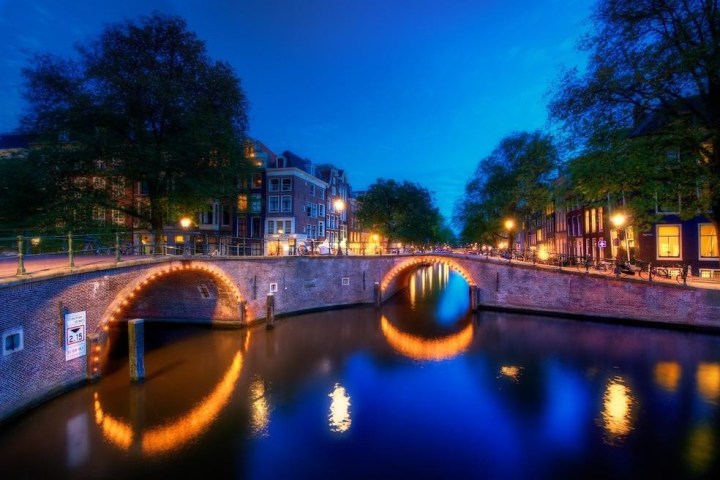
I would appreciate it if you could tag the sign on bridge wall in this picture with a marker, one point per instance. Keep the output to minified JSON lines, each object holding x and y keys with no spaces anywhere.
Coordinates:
{"x":75,"y":345}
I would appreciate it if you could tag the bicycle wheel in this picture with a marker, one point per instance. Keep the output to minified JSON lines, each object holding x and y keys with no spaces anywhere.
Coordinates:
{"x":642,"y":273}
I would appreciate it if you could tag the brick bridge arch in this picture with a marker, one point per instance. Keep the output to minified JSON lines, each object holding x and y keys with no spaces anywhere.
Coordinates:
{"x":396,"y":276}
{"x":179,"y":290}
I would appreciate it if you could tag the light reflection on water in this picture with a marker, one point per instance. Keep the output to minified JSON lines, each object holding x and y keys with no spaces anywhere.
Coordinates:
{"x":358,"y":393}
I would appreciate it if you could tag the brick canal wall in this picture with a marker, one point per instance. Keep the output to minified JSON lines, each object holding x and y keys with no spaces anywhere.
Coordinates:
{"x":234,"y":292}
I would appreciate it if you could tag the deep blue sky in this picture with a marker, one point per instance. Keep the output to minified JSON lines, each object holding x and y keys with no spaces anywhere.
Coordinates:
{"x":416,"y":90}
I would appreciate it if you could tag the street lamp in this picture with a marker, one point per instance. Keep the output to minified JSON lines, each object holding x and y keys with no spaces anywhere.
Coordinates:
{"x":339,"y":207}
{"x":618,"y":220}
{"x":509,"y":226}
{"x":185,"y":224}
{"x":277,"y":250}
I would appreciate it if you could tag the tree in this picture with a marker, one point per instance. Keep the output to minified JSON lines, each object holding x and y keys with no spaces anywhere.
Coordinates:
{"x":143,"y":103}
{"x":645,"y":114}
{"x":401,"y":212}
{"x":513,"y":182}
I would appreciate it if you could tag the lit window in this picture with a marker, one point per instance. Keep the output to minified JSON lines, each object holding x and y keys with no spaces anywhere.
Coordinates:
{"x":708,"y":242}
{"x":242,"y":203}
{"x":668,"y":241}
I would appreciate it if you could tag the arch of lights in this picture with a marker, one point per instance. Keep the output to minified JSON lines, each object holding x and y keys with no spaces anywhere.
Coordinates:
{"x":129,"y":293}
{"x":424,"y":260}
{"x":419,"y":348}
{"x":172,"y":435}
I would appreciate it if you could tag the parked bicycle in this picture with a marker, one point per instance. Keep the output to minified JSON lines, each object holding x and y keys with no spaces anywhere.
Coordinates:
{"x":681,"y":273}
{"x":587,"y":263}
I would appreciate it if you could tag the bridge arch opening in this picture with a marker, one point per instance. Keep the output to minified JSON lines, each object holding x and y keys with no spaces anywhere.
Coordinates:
{"x":398,"y":277}
{"x":187,"y":292}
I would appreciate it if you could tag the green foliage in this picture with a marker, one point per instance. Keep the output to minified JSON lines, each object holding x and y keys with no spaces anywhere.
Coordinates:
{"x":145,"y":103}
{"x":645,"y":114}
{"x":401,"y":212}
{"x":514,"y":181}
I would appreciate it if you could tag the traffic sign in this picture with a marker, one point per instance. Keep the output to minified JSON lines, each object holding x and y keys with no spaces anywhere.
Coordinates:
{"x":602,"y":244}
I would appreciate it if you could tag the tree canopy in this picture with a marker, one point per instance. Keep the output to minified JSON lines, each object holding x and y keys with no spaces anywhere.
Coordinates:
{"x":403,"y":212}
{"x":645,"y":113}
{"x":513,"y":182}
{"x":141,"y":104}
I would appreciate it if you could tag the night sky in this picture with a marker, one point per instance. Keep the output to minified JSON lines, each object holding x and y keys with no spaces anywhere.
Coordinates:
{"x":416,"y":90}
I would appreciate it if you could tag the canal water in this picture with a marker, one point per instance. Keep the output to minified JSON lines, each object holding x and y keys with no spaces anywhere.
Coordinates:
{"x":419,"y":389}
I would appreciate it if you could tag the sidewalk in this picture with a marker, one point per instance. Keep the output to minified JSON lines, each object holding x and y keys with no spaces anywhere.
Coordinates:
{"x":46,"y":263}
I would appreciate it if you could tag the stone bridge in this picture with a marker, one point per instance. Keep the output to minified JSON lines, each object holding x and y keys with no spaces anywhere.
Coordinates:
{"x":234,"y":292}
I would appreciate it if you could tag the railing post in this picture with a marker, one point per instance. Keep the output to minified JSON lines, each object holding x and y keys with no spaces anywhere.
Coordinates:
{"x":117,"y":248}
{"x":21,"y":260}
{"x":71,"y":257}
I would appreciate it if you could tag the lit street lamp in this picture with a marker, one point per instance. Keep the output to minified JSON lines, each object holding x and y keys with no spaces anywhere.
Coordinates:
{"x":339,"y":207}
{"x":509,"y":226}
{"x":277,"y":251}
{"x":185,"y":224}
{"x":618,"y":220}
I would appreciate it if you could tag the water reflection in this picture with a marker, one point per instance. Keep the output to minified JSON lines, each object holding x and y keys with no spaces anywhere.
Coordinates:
{"x":260,"y":408}
{"x":511,"y":371}
{"x":617,"y":409}
{"x":667,"y":375}
{"x":339,"y":417}
{"x":420,"y":348}
{"x":708,"y":381}
{"x":173,"y":434}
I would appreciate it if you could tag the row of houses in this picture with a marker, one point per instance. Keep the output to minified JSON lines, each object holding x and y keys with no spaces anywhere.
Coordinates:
{"x":574,"y":232}
{"x":287,"y":206}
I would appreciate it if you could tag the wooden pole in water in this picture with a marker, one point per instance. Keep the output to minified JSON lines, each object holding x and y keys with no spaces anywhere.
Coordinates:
{"x":136,"y":346}
{"x":270,"y":312}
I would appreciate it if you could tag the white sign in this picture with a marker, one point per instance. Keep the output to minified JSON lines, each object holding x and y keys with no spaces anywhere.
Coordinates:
{"x":75,"y":345}
{"x":602,"y":244}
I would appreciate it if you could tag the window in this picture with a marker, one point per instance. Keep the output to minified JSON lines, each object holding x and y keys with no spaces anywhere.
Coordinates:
{"x":288,"y":226}
{"x":242,"y":203}
{"x":600,"y":219}
{"x":312,"y":190}
{"x":242,"y":227}
{"x":98,"y":183}
{"x":273,"y":204}
{"x":255,"y":203}
{"x":270,"y":227}
{"x":225,"y":215}
{"x":321,"y":210}
{"x":12,"y":341}
{"x":257,"y":180}
{"x":118,"y":217}
{"x":593,"y":220}
{"x":255,"y":227}
{"x":286,"y":184}
{"x":274,"y":185}
{"x":668,"y":241}
{"x":118,"y":187}
{"x":587,"y":220}
{"x":321,"y":229}
{"x":98,"y":214}
{"x":322,"y":194}
{"x":286,"y":203}
{"x":708,"y":242}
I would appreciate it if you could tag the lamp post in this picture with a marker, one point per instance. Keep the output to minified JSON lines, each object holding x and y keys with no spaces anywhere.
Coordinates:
{"x":509,"y":226}
{"x":618,"y":221}
{"x":339,"y":207}
{"x":185,"y":224}
{"x":277,"y":251}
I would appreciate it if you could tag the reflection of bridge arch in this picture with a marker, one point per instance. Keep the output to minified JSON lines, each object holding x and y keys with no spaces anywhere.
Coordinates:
{"x":170,"y":436}
{"x":228,"y":292}
{"x":414,"y":262}
{"x":419,"y":348}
